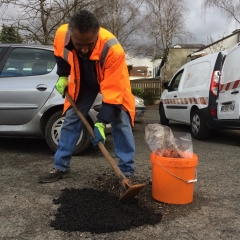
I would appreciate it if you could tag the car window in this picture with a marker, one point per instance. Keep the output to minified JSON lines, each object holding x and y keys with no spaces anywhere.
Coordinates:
{"x":28,"y":62}
{"x":175,"y":82}
{"x":2,"y":51}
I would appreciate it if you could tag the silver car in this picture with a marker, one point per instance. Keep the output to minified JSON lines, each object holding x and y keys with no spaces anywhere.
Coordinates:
{"x":29,"y":103}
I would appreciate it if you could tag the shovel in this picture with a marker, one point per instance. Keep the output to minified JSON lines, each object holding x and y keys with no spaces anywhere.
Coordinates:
{"x":130,"y":190}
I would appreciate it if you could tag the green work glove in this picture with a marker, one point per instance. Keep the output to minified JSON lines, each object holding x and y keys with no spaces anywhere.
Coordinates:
{"x":61,"y":85}
{"x":99,"y":134}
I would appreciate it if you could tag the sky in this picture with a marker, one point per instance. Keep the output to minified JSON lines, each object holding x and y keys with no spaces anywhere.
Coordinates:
{"x":213,"y":24}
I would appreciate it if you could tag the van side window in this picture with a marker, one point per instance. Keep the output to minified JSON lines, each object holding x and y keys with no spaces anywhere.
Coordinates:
{"x":175,"y":82}
{"x":197,"y":75}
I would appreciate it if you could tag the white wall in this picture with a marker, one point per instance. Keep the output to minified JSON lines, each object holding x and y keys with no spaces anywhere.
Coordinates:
{"x":146,"y":62}
{"x":226,"y":44}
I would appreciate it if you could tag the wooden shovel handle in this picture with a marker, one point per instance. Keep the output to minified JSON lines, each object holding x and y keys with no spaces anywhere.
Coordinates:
{"x":100,"y":144}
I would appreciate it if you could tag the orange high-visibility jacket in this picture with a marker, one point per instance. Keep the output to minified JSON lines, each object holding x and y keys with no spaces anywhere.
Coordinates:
{"x":112,"y":71}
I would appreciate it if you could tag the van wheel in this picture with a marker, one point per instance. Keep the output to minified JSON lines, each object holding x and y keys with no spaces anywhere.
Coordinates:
{"x":199,"y":130}
{"x":163,"y":119}
{"x":52,"y":134}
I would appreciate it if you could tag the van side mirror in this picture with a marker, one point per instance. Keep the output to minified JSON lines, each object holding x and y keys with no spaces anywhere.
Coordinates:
{"x":165,"y":85}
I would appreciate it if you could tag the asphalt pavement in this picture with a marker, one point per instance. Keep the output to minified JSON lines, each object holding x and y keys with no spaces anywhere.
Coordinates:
{"x":27,"y":208}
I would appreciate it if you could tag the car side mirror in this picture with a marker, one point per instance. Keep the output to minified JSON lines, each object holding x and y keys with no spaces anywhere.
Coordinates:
{"x":165,"y":85}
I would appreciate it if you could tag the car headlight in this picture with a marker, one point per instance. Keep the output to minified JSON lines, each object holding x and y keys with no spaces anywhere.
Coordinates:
{"x":139,"y":101}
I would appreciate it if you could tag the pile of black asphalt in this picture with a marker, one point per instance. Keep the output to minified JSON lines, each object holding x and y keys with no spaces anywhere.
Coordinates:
{"x":98,"y":209}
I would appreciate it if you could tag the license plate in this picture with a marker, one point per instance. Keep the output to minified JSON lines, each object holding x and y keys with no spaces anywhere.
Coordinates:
{"x":228,"y":108}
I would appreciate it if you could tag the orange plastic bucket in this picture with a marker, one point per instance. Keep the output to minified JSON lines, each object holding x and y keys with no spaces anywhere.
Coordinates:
{"x":173,"y":179}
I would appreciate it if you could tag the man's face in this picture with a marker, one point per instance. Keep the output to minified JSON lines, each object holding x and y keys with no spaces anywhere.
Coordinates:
{"x":84,"y":43}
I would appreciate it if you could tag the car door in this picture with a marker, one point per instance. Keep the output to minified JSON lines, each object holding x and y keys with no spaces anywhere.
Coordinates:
{"x":229,"y":94}
{"x":27,"y":78}
{"x":171,"y":101}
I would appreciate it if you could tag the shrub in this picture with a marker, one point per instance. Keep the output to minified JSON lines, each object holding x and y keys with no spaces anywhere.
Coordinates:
{"x":138,"y":92}
{"x":149,"y":95}
{"x":148,"y":98}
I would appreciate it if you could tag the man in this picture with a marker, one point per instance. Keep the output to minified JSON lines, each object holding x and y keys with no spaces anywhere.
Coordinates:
{"x":89,"y":60}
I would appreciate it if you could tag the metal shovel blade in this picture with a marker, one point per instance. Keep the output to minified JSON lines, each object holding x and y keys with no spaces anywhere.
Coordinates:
{"x":132,"y":191}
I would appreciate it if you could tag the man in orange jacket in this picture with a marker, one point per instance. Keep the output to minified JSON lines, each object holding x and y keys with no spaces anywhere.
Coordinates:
{"x":91,"y":60}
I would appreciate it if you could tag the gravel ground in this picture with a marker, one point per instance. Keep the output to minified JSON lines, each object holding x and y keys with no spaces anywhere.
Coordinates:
{"x":68,"y":209}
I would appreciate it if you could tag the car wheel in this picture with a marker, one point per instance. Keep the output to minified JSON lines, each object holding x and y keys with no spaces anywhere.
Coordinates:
{"x":163,"y":119}
{"x":199,"y":130}
{"x":52,"y":134}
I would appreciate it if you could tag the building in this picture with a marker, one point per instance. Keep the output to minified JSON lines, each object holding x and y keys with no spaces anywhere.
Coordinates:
{"x":183,"y":53}
{"x":142,"y":68}
{"x":177,"y":57}
{"x":220,"y":45}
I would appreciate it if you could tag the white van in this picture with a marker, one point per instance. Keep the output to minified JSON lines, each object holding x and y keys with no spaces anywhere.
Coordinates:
{"x":204,"y":93}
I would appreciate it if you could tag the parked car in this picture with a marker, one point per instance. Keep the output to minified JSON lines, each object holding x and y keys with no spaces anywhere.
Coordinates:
{"x":204,"y":93}
{"x":140,"y":108}
{"x":30,"y":106}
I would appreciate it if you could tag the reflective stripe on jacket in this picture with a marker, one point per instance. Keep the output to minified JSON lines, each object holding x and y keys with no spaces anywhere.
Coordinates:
{"x":112,"y":71}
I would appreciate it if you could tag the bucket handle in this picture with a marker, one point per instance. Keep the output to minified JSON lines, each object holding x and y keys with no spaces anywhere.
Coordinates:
{"x":186,"y":181}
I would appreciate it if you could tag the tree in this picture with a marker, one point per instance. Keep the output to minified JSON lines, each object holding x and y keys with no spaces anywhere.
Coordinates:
{"x":38,"y":20}
{"x":217,"y":46}
{"x":10,"y":35}
{"x":122,"y":18}
{"x":165,"y":23}
{"x":230,"y":8}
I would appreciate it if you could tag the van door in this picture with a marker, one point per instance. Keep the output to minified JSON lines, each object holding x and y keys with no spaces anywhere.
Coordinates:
{"x":171,"y":101}
{"x":229,"y":94}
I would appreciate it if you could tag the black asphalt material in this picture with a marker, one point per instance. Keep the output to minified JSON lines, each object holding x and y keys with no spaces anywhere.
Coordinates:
{"x":94,"y":211}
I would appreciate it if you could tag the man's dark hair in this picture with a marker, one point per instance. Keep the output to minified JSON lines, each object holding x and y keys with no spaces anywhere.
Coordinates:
{"x":83,"y":21}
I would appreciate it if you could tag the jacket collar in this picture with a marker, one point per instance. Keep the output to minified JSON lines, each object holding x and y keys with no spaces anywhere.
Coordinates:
{"x":96,"y":51}
{"x":68,"y":42}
